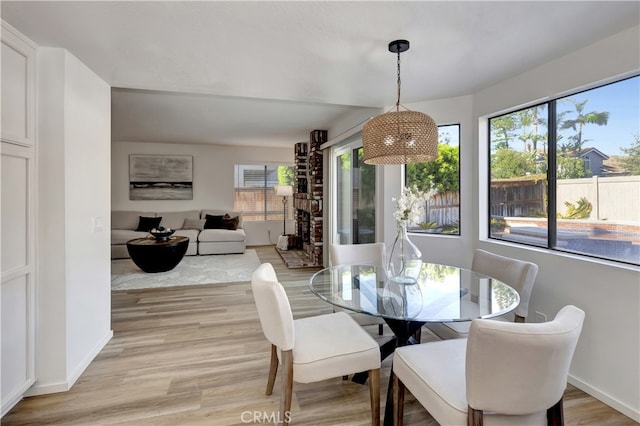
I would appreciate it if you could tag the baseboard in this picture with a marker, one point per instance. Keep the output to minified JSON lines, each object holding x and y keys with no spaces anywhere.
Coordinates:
{"x":10,"y":401}
{"x":77,"y":372}
{"x":46,"y":388}
{"x":63,"y":386}
{"x":607,"y":399}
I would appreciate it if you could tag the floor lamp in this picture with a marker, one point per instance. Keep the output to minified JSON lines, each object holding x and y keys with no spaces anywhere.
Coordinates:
{"x":284,"y":191}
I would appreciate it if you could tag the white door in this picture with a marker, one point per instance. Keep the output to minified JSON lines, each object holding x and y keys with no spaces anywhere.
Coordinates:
{"x":17,"y":229}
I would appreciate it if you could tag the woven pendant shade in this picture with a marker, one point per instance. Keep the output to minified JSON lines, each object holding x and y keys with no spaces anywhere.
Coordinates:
{"x":400,"y":137}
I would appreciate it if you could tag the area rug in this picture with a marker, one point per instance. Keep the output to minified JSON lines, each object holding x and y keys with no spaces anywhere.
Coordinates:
{"x":192,"y":270}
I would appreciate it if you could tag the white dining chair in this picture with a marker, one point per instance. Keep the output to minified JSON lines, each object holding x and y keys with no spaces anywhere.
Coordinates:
{"x":518,"y":274}
{"x":505,"y":373}
{"x":314,"y":348}
{"x":359,"y":254}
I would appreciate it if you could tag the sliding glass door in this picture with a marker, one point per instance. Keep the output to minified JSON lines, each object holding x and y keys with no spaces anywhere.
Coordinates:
{"x":355,"y":189}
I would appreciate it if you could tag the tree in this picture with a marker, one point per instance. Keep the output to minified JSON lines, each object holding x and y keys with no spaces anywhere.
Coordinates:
{"x":441,"y":173}
{"x":570,"y":167}
{"x":631,"y":163}
{"x":367,"y":181}
{"x":529,"y":122}
{"x":578,"y":123}
{"x":285,"y":175}
{"x":502,"y":130}
{"x":507,"y":163}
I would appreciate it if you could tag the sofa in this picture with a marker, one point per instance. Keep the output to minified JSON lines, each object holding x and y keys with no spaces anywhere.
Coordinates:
{"x":209,"y":231}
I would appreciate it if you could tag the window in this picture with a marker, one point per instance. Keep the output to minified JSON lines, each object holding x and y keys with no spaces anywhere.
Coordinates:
{"x":442,"y":212}
{"x":254,"y":191}
{"x":355,"y":197}
{"x":565,"y":175}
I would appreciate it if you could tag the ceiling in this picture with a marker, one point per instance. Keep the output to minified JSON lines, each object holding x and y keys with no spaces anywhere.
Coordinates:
{"x":266,"y":73}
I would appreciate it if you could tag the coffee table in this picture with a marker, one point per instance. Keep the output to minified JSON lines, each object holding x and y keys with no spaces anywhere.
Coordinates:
{"x":152,"y":255}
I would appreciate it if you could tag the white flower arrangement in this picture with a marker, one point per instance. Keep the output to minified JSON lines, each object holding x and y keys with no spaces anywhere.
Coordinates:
{"x":411,"y":204}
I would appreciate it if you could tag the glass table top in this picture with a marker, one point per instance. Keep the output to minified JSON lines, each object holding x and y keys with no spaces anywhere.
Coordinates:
{"x":441,"y":293}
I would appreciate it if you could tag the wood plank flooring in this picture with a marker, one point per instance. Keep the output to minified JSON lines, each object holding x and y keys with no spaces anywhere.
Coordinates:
{"x":196,"y":355}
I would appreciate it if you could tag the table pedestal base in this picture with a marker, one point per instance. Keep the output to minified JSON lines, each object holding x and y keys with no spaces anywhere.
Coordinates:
{"x":404,"y":332}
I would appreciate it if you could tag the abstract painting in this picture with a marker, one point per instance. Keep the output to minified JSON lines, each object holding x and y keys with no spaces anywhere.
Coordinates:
{"x":160,"y":177}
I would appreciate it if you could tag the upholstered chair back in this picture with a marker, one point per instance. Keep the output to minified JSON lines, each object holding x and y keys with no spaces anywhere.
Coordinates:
{"x":273,"y":307}
{"x":359,"y":254}
{"x":515,"y":368}
{"x":349,"y":254}
{"x":518,"y":274}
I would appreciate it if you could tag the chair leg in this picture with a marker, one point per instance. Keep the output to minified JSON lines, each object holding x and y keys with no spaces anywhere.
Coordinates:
{"x":380,"y":329}
{"x":273,"y":369}
{"x":474,"y":417}
{"x":555,"y":414}
{"x":287,"y":386}
{"x":374,"y":396}
{"x":398,"y":401}
{"x":417,"y":335}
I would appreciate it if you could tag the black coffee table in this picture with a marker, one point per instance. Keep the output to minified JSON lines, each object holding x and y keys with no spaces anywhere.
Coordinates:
{"x":153,"y":255}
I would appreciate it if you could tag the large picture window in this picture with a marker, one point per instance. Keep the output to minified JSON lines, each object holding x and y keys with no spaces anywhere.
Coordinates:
{"x":565,"y":174}
{"x":442,"y":211}
{"x":255,"y":195}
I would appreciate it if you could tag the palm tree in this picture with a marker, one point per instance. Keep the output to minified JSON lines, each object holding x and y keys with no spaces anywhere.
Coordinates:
{"x":531,"y":125}
{"x":578,"y":123}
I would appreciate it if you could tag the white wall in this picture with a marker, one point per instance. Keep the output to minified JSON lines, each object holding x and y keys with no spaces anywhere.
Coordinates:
{"x":607,"y":360}
{"x":212,"y":180}
{"x":74,"y":285}
{"x":88,"y":185}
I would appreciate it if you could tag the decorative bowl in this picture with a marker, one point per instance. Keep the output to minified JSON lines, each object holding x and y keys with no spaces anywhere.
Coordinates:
{"x":161,"y":233}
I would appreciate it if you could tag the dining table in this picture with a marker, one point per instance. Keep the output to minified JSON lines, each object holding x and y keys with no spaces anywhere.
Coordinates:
{"x":434,"y":293}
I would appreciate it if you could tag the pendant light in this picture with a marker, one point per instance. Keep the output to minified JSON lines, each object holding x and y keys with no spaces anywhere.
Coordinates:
{"x":400,"y":137}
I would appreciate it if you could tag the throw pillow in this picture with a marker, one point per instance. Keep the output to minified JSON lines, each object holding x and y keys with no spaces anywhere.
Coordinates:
{"x":230,"y":223}
{"x":197,"y":224}
{"x":146,"y":224}
{"x":213,"y":222}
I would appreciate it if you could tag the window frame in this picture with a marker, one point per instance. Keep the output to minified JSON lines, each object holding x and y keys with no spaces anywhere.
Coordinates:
{"x":551,"y":174}
{"x":275,"y":214}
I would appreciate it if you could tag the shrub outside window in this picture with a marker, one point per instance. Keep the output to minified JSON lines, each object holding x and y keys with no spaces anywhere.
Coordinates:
{"x":254,"y":191}
{"x":565,"y":174}
{"x":442,"y":211}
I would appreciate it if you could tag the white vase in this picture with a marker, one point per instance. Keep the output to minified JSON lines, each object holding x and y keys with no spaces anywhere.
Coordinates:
{"x":405,"y":259}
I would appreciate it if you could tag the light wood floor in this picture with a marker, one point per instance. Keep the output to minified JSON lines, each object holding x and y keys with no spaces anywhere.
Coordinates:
{"x":196,"y":356}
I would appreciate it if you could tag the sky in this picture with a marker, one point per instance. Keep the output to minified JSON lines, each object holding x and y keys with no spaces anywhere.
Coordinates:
{"x":622,"y":101}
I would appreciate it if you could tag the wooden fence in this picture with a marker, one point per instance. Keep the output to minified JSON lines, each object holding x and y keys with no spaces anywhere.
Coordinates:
{"x":443,"y":209}
{"x":518,"y":198}
{"x":254,"y":202}
{"x":615,"y":199}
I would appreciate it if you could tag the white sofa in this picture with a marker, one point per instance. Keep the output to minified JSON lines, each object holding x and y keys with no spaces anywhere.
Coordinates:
{"x":205,"y":241}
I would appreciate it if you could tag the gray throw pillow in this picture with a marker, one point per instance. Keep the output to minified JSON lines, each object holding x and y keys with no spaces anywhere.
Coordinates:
{"x":197,"y":224}
{"x":230,"y":223}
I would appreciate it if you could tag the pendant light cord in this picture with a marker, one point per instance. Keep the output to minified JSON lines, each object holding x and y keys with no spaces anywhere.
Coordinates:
{"x":398,"y":101}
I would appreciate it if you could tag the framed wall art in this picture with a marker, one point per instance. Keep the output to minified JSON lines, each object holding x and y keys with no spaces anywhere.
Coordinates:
{"x":160,"y":177}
